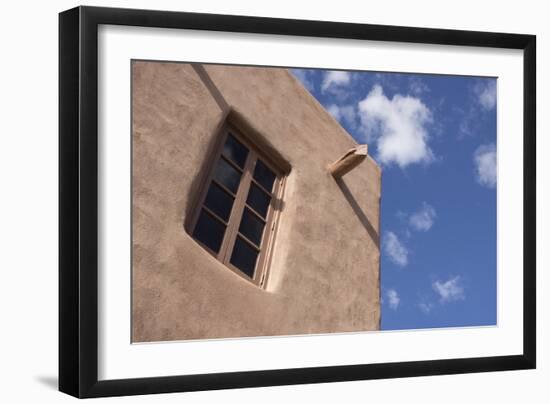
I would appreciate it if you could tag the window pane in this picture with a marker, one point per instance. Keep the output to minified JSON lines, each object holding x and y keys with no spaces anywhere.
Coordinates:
{"x":235,"y":151}
{"x":264,"y":175}
{"x":209,"y":231}
{"x":219,"y":201}
{"x":244,"y":257}
{"x":251,"y":227}
{"x":258,"y":200}
{"x":227,"y":175}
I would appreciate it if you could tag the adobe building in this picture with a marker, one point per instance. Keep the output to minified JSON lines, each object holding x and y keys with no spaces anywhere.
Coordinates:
{"x":254,"y":213}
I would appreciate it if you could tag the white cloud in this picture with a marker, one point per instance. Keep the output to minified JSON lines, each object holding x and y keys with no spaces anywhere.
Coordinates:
{"x":395,"y":250}
{"x":485,"y":158}
{"x":402,"y":216}
{"x":486,"y":93}
{"x":334,"y":110}
{"x":304,"y":76}
{"x":426,"y":308}
{"x":393,"y":298}
{"x":450,"y":290}
{"x":335,"y":79}
{"x":344,"y":114}
{"x":423,"y":219}
{"x":417,"y":86}
{"x":484,"y":99}
{"x":398,"y":126}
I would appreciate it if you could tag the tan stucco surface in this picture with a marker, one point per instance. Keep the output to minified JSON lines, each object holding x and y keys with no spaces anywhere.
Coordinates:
{"x":324,"y":274}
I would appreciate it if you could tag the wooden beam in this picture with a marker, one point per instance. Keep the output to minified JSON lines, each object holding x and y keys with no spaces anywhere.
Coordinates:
{"x":351,"y":159}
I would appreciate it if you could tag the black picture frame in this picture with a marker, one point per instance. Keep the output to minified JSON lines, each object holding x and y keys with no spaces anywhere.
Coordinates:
{"x":78,"y":201}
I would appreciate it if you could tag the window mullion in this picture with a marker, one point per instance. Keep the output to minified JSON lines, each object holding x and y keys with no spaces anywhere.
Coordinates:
{"x":238,"y":208}
{"x":267,"y":241}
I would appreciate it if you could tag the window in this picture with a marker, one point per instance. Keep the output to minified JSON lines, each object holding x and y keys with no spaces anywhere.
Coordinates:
{"x":237,"y":211}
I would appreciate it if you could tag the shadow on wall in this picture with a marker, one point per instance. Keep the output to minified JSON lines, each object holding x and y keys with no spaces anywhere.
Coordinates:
{"x":359,"y":212}
{"x":228,"y":115}
{"x":48,"y":381}
{"x":206,"y":165}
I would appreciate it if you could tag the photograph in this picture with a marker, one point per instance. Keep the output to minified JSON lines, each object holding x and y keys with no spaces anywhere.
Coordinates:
{"x":250,"y":201}
{"x":268,"y":202}
{"x":271,"y":202}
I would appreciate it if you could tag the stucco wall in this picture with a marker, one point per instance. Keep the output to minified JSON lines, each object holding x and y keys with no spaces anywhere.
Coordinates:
{"x":324,"y":275}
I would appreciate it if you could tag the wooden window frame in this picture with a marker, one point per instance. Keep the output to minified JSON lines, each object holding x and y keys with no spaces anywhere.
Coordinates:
{"x":232,"y":224}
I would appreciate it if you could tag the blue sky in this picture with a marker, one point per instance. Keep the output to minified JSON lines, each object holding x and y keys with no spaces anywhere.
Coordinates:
{"x":435,"y":138}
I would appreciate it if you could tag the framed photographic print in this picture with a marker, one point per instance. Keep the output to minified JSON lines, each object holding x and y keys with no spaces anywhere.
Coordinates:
{"x":251,"y":201}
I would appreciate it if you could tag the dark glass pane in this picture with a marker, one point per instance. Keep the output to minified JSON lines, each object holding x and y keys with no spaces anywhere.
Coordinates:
{"x":235,"y":151}
{"x":258,"y":200}
{"x":251,"y":227}
{"x":264,"y":175}
{"x":227,"y":175}
{"x":209,"y":231}
{"x":219,"y":201}
{"x":244,"y":257}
